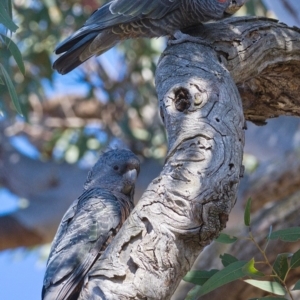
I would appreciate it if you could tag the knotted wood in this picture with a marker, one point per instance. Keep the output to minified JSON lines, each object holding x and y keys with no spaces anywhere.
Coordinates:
{"x":182,"y":210}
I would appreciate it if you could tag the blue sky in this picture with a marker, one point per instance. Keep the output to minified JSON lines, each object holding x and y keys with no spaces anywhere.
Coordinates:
{"x":21,"y":270}
{"x":21,"y":274}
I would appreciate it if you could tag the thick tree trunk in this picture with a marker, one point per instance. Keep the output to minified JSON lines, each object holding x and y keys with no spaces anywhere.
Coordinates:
{"x":188,"y":204}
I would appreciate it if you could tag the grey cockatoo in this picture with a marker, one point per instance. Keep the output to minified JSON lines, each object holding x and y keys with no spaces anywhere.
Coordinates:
{"x":124,"y":19}
{"x":90,"y":223}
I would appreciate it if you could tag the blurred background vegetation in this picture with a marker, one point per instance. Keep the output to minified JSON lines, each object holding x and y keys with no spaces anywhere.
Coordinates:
{"x":66,"y":120}
{"x":114,"y":94}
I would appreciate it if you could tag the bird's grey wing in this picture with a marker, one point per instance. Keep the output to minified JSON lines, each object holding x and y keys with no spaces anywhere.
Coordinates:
{"x":62,"y":228}
{"x":124,"y":11}
{"x":79,"y":241}
{"x":154,"y":9}
{"x":96,"y":35}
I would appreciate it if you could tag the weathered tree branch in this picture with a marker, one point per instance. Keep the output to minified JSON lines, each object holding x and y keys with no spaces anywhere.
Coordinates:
{"x":188,"y":204}
{"x":279,"y":180}
{"x":262,"y":56}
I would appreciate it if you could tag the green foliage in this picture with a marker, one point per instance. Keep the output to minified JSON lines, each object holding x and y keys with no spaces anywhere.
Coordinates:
{"x":247,"y":218}
{"x":199,"y":277}
{"x":295,"y":262}
{"x":286,"y":235}
{"x":269,"y":286}
{"x":281,"y":265}
{"x":256,"y":8}
{"x":274,"y":283}
{"x":230,"y":273}
{"x":9,"y":46}
{"x":5,"y":16}
{"x":225,"y":238}
{"x":227,"y":259}
{"x":128,"y":100}
{"x":14,"y":50}
{"x":11,"y":89}
{"x":250,"y":270}
{"x":297,"y":286}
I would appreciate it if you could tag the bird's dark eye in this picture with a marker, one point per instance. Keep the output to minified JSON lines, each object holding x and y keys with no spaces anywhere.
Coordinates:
{"x":116,"y":168}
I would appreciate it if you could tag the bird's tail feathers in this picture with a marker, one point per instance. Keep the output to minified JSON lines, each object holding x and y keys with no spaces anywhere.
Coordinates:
{"x":103,"y":42}
{"x":69,"y":60}
{"x":80,"y":36}
{"x":81,"y":48}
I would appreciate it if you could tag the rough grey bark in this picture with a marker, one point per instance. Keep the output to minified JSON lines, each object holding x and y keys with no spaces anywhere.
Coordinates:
{"x":188,"y":204}
{"x":262,"y":56}
{"x":279,"y":180}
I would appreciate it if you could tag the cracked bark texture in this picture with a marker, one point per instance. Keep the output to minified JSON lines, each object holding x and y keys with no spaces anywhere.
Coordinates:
{"x":262,"y":57}
{"x":188,"y":204}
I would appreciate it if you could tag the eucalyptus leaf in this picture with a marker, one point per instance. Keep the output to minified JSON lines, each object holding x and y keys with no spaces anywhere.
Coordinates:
{"x":295,"y":261}
{"x":247,"y":218}
{"x":226,"y":239}
{"x":5,"y":18}
{"x":269,"y":286}
{"x":230,"y":273}
{"x":193,"y":293}
{"x":250,"y":270}
{"x":296,"y":286}
{"x":199,"y":277}
{"x":281,"y":265}
{"x":227,"y":259}
{"x":287,"y":235}
{"x":14,"y":50}
{"x":11,"y":90}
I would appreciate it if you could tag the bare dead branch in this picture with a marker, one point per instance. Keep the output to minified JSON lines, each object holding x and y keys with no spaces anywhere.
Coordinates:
{"x":273,"y":183}
{"x":262,"y":56}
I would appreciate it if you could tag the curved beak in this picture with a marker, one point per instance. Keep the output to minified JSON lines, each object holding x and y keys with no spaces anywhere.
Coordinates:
{"x":131,"y":175}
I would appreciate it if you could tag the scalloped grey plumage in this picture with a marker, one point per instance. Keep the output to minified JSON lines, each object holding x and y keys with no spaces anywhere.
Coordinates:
{"x":90,"y":223}
{"x":123,"y":19}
